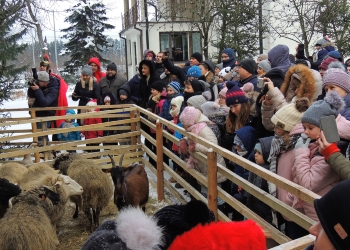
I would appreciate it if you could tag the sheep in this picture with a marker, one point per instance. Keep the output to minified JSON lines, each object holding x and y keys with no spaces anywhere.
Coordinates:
{"x":7,"y":190}
{"x":36,"y":174}
{"x":97,"y":186}
{"x":27,"y":224}
{"x":131,"y":186}
{"x":13,"y":172}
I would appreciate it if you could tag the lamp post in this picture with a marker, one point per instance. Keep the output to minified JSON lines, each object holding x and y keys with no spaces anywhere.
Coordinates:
{"x":261,"y":45}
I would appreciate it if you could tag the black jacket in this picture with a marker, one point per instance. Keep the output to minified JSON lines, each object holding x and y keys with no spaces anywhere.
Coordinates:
{"x":145,"y":85}
{"x":84,"y":94}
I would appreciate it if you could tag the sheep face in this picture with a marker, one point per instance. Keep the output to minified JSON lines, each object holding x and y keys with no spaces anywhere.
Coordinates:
{"x":8,"y":190}
{"x":70,"y":186}
{"x":117,"y":174}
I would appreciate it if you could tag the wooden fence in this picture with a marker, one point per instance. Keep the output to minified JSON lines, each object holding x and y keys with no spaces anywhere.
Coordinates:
{"x":135,"y":150}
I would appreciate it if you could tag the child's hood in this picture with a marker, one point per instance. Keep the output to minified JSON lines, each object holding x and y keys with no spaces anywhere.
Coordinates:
{"x":265,"y":147}
{"x":247,"y":137}
{"x":126,"y":89}
{"x":111,"y":96}
{"x":71,"y":112}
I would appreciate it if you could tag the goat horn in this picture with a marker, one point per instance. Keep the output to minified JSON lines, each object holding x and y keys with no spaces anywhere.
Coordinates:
{"x":112,"y":160}
{"x":121,"y":161}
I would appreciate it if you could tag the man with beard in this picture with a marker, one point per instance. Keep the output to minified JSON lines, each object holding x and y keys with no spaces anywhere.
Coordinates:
{"x":112,"y":81}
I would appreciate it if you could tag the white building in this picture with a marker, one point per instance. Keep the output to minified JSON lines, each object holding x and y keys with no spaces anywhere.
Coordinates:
{"x":178,"y":37}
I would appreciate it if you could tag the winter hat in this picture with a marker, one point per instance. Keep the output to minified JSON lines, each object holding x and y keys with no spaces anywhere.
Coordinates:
{"x":196,"y":101}
{"x":276,"y":76}
{"x":265,"y":144}
{"x":258,"y":148}
{"x":228,"y":51}
{"x":322,"y":41}
{"x":249,"y":65}
{"x":92,"y":104}
{"x":132,"y":230}
{"x":219,"y":66}
{"x":330,"y":105}
{"x":222,"y":235}
{"x":157,"y":85}
{"x":70,"y":112}
{"x":196,"y":85}
{"x":290,"y":115}
{"x":335,"y":219}
{"x":194,"y":71}
{"x":326,"y":62}
{"x":245,"y":138}
{"x":177,"y":219}
{"x":112,"y":66}
{"x":337,"y":77}
{"x":86,"y":70}
{"x":224,"y":72}
{"x":212,"y":109}
{"x":198,"y":56}
{"x":265,"y":65}
{"x":336,"y":65}
{"x":262,"y":57}
{"x":304,"y":62}
{"x":107,"y":99}
{"x":237,"y":141}
{"x":123,"y":92}
{"x":174,"y":85}
{"x":177,"y":101}
{"x":234,"y":94}
{"x":190,"y":115}
{"x":335,"y":54}
{"x":43,"y":76}
{"x":223,"y":91}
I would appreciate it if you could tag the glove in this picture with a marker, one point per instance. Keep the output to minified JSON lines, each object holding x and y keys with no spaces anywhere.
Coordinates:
{"x":303,"y":142}
{"x":192,"y":147}
{"x":183,"y":148}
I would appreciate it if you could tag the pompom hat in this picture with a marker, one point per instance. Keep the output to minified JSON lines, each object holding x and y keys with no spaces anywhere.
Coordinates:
{"x":337,"y":77}
{"x":290,"y":115}
{"x":234,"y":94}
{"x":189,"y":116}
{"x":330,"y":105}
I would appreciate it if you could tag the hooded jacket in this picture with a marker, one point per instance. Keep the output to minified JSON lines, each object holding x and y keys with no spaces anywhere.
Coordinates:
{"x":278,"y":56}
{"x":70,"y":136}
{"x":98,"y":74}
{"x":325,"y":49}
{"x":146,"y":82}
{"x":128,"y":100}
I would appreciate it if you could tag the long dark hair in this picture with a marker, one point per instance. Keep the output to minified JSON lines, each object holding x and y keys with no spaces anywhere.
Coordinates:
{"x":234,"y":122}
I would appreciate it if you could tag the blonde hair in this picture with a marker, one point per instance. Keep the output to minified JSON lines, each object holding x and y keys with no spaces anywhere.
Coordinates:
{"x":234,"y":122}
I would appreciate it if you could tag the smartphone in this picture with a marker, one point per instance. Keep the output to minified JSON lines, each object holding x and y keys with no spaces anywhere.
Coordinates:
{"x":329,"y":128}
{"x":260,"y":83}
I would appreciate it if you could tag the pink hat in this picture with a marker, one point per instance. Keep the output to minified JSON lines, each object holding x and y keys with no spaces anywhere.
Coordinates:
{"x":189,"y":116}
{"x":223,"y":92}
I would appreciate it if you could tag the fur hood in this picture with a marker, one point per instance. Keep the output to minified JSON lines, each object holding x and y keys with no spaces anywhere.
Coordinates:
{"x":307,"y":88}
{"x":150,"y":64}
{"x":327,"y":44}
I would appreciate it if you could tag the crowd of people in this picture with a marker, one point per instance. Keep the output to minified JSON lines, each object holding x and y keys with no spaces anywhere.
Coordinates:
{"x":266,"y":110}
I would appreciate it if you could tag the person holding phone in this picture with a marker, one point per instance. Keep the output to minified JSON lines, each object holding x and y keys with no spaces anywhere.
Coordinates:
{"x":310,"y":169}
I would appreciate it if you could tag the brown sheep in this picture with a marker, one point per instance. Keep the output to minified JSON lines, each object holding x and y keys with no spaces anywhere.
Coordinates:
{"x":97,"y":186}
{"x":13,"y":172}
{"x":131,"y":186}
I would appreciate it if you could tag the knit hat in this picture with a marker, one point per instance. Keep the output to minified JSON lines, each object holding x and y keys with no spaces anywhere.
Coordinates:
{"x":86,"y":70}
{"x":333,"y":212}
{"x":43,"y":76}
{"x":326,"y":62}
{"x":194,"y":71}
{"x":132,"y":230}
{"x":330,"y":105}
{"x":335,"y":54}
{"x":337,"y":77}
{"x":212,"y":109}
{"x":222,"y":235}
{"x":112,"y":66}
{"x":262,"y":56}
{"x":197,"y":86}
{"x":265,"y":65}
{"x":276,"y":76}
{"x":234,"y":94}
{"x":290,"y":115}
{"x":177,"y":101}
{"x":304,"y":62}
{"x":249,"y":65}
{"x":196,"y":101}
{"x":107,"y":99}
{"x":157,"y":85}
{"x":230,"y":52}
{"x":92,"y":104}
{"x":224,"y":72}
{"x":174,"y":85}
{"x":258,"y":148}
{"x":223,"y":91}
{"x":189,"y":116}
{"x":219,"y":66}
{"x":198,"y":56}
{"x":177,"y":219}
{"x":322,"y":41}
{"x":123,"y":92}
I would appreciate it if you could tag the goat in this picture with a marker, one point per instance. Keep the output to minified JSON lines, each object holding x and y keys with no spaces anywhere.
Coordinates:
{"x":131,"y":186}
{"x":7,"y":190}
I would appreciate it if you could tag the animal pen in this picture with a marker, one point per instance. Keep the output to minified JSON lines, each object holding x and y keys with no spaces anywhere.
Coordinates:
{"x":129,"y":118}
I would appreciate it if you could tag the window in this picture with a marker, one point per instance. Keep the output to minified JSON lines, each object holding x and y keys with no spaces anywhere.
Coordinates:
{"x":177,"y":45}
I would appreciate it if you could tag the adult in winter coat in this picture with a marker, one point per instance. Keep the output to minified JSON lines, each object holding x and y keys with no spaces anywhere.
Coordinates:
{"x":247,"y":72}
{"x":134,"y":85}
{"x":148,"y":76}
{"x":85,"y":89}
{"x":228,"y":58}
{"x":112,"y":81}
{"x":278,"y":57}
{"x":94,"y":62}
{"x":326,"y":47}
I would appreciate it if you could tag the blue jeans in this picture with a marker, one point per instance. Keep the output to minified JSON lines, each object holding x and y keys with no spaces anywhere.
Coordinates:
{"x":38,"y":126}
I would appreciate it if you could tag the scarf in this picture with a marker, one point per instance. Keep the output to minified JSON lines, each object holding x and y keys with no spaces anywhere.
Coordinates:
{"x":67,"y":125}
{"x":195,"y":129}
{"x":278,"y":147}
{"x":189,"y":95}
{"x":91,"y":82}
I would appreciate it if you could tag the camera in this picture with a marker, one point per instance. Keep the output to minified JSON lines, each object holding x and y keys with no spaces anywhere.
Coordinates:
{"x":33,"y":82}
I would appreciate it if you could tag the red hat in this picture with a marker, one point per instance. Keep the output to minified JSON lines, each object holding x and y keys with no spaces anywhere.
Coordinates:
{"x":245,"y":235}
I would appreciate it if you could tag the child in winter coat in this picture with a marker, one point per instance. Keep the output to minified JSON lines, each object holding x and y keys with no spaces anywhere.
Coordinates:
{"x":173,"y":90}
{"x":108,"y":98}
{"x":69,"y":123}
{"x":89,"y":121}
{"x":192,"y":88}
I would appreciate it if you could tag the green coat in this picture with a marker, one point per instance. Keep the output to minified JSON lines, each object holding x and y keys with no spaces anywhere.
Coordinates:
{"x":340,"y":165}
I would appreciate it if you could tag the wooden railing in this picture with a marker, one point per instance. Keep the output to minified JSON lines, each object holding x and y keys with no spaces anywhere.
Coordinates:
{"x":134,"y":153}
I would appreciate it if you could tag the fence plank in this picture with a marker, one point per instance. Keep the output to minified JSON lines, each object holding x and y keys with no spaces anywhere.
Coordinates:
{"x":298,"y":244}
{"x":160,"y":174}
{"x":35,"y":138}
{"x":212,"y":183}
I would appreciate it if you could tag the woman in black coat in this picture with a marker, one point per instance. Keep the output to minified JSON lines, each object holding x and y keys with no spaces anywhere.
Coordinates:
{"x":149,"y":75}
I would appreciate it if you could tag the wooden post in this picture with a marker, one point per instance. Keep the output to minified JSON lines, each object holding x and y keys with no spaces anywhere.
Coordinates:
{"x":138,"y":126}
{"x":160,"y":168}
{"x":34,"y":130}
{"x":212,"y":182}
{"x":45,"y":141}
{"x":133,"y":128}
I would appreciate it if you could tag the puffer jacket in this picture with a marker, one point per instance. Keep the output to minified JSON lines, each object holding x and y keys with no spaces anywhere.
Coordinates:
{"x":85,"y":94}
{"x":340,"y":165}
{"x":98,"y":74}
{"x":207,"y":134}
{"x":112,"y":84}
{"x":94,"y":133}
{"x":71,"y":136}
{"x":311,"y":171}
